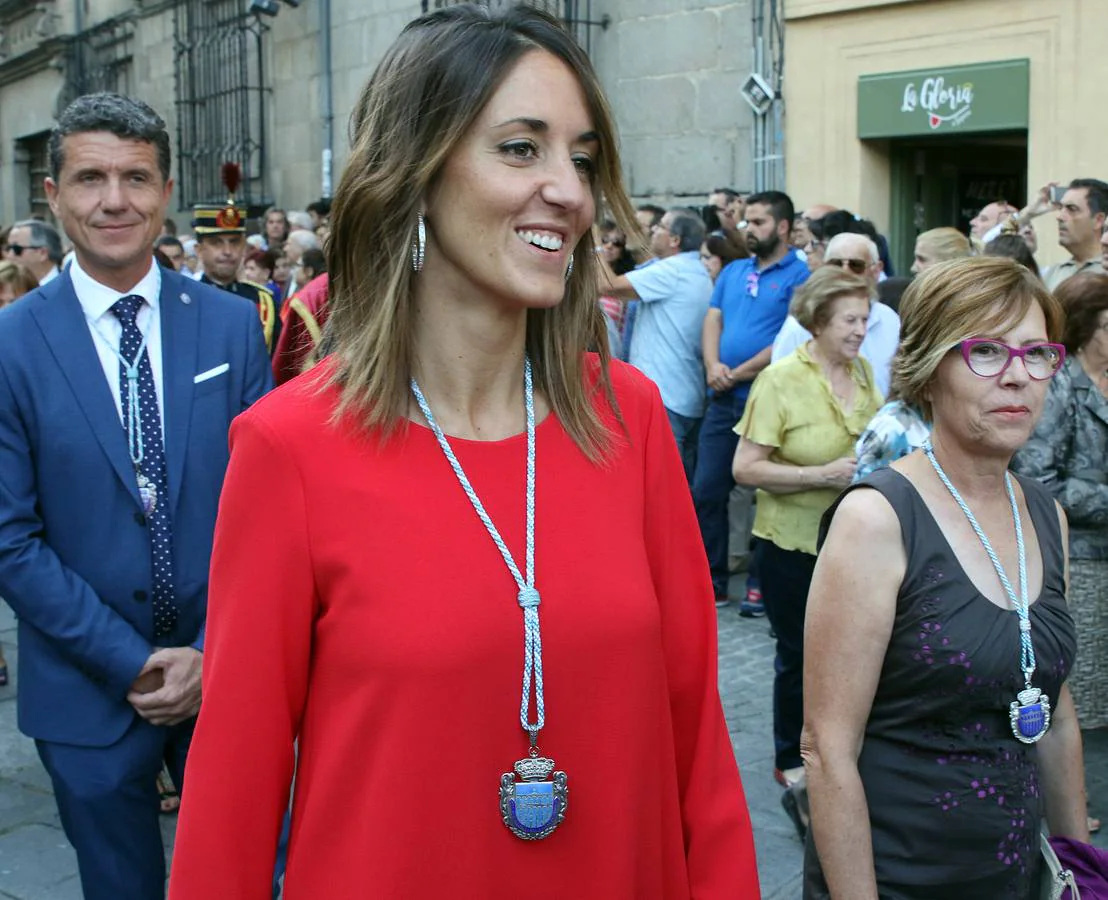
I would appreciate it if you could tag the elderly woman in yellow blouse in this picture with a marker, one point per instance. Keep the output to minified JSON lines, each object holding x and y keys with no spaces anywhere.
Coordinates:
{"x":796,"y":447}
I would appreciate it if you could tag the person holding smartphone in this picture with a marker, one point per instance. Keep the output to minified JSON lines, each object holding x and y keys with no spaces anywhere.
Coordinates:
{"x":1082,"y":207}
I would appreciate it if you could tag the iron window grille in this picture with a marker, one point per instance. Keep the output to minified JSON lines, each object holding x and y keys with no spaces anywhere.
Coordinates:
{"x":99,"y":59}
{"x":576,"y":15}
{"x":220,"y":101}
{"x":32,"y":153}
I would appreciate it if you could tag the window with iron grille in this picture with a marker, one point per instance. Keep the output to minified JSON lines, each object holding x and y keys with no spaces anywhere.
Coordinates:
{"x":577,"y":15}
{"x":32,"y":154}
{"x":220,"y":101}
{"x":99,"y":59}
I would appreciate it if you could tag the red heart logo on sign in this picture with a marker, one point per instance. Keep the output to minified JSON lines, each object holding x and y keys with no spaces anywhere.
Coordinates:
{"x":934,"y":121}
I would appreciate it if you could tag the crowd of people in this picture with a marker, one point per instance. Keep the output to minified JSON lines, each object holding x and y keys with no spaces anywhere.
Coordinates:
{"x":490,"y":338}
{"x":814,"y":384}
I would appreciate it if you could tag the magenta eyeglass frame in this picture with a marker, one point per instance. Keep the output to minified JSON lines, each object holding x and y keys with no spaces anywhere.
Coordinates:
{"x":967,"y":346}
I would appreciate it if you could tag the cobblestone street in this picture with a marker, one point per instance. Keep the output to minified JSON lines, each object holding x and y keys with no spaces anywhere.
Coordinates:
{"x":36,"y":862}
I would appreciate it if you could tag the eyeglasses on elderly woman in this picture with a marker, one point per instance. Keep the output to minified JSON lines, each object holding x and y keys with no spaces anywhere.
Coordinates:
{"x":990,"y":359}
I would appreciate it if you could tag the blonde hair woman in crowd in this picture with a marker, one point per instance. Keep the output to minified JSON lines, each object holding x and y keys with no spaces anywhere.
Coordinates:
{"x":939,"y":731}
{"x":939,"y":245}
{"x":437,"y":470}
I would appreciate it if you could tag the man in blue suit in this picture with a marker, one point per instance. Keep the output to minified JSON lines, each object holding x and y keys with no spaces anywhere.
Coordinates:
{"x":118,"y":382}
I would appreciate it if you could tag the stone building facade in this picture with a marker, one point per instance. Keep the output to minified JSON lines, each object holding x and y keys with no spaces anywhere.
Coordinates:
{"x":254,"y":88}
{"x":916,"y":113}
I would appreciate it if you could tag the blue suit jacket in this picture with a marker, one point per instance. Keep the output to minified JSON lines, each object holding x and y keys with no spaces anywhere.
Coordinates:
{"x":75,"y":561}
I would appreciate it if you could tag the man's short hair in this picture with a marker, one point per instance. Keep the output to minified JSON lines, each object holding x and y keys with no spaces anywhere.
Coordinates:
{"x":44,"y":235}
{"x":779,"y":203}
{"x":169,"y":240}
{"x":729,"y":193}
{"x":125,"y":117}
{"x":1096,"y":191}
{"x":687,"y":227}
{"x":315,"y":260}
{"x":843,"y":236}
{"x":843,"y":221}
{"x":656,"y":212}
{"x":169,"y":227}
{"x":320,"y":207}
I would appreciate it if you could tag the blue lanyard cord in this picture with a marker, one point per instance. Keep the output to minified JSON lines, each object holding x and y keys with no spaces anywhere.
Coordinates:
{"x":1020,"y":604}
{"x":528,"y":597}
{"x":132,"y":413}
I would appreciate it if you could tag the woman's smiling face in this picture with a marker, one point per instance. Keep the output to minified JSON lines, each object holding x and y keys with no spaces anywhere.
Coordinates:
{"x":516,"y":195}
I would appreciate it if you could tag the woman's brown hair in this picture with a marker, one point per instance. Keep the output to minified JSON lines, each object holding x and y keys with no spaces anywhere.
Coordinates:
{"x":1083,"y":297}
{"x":953,"y":301}
{"x":417,"y":107}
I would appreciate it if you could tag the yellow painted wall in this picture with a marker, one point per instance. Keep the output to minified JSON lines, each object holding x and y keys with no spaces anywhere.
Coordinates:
{"x":826,"y":53}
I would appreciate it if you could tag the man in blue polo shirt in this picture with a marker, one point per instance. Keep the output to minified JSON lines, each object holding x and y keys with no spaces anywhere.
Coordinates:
{"x":748,"y":308}
{"x":674,"y":292}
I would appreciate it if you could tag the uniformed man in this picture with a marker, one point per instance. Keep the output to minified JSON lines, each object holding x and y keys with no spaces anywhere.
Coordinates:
{"x":220,"y":244}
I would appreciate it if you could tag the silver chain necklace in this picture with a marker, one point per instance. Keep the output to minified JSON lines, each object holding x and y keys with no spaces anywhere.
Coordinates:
{"x":532,"y":802}
{"x":1029,"y":713}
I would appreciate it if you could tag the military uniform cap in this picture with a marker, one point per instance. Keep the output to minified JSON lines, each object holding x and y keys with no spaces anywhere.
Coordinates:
{"x":226,"y":218}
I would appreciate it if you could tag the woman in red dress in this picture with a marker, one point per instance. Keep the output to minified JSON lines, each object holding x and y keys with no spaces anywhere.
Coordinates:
{"x":490,"y":624}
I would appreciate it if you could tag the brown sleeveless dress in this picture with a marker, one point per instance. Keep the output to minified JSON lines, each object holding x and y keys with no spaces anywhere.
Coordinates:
{"x":954,"y":799}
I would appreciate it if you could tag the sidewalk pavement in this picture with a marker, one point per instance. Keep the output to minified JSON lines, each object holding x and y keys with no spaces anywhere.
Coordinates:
{"x":36,"y":862}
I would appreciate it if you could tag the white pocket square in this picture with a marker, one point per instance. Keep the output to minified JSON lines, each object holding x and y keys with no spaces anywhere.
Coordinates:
{"x":211,"y":373}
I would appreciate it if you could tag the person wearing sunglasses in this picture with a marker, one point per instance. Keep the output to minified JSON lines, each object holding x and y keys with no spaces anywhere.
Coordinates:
{"x":938,"y":640}
{"x":858,"y":255}
{"x":37,"y":246}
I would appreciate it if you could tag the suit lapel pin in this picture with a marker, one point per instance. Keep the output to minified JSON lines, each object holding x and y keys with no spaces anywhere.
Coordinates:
{"x":186,"y":299}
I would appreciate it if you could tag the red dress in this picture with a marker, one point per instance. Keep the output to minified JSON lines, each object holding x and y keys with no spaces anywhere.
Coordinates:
{"x":364,"y":609}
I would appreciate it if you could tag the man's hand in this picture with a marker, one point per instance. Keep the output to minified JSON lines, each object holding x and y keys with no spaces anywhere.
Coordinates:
{"x":178,"y":697}
{"x":1040,"y":204}
{"x":719,"y":377}
{"x":149,"y":680}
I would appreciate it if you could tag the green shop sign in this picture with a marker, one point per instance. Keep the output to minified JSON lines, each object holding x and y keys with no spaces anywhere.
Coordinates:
{"x":985,"y":97}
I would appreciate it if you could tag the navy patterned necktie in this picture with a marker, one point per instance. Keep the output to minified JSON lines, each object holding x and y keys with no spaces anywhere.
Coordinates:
{"x":150,"y":469}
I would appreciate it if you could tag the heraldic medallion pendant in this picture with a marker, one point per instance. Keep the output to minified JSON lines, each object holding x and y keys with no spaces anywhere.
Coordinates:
{"x":533,"y":800}
{"x":534,"y":805}
{"x":1030,"y":715}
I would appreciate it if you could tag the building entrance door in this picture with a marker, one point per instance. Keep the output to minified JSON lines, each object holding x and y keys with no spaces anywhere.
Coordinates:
{"x":946,"y":181}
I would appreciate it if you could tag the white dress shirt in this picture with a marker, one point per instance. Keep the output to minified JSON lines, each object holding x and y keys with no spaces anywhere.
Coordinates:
{"x":879,"y":347}
{"x":96,"y":302}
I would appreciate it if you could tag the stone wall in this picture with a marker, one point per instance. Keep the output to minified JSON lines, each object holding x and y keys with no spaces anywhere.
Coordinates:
{"x":673,"y":72}
{"x":672,"y":69}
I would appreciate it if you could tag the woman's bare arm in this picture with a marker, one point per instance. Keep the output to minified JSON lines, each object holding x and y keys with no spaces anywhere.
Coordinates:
{"x":753,"y":467}
{"x":851,"y":609}
{"x":1061,"y":760}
